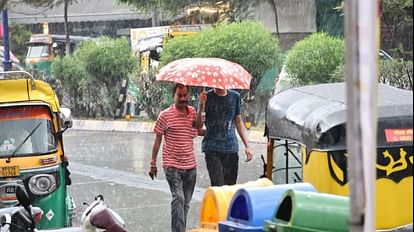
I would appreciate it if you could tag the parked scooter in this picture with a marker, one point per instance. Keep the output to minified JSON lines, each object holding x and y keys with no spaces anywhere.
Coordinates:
{"x":21,"y":217}
{"x":96,"y":218}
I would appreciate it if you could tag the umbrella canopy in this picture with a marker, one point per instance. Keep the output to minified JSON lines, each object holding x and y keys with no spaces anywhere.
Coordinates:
{"x":206,"y":72}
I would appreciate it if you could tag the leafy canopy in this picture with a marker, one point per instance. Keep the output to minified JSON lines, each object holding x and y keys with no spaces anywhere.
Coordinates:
{"x":167,"y":5}
{"x":247,"y":43}
{"x":93,"y":75}
{"x":48,"y":3}
{"x":314,"y":59}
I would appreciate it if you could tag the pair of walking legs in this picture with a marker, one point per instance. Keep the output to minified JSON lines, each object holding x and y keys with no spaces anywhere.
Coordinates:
{"x":182,"y":183}
{"x":222,"y":168}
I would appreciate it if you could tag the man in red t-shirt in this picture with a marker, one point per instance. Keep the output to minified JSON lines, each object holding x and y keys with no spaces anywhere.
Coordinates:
{"x":178,"y":126}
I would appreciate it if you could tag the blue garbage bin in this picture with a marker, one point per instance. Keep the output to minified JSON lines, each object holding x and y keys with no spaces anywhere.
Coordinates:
{"x":250,"y":207}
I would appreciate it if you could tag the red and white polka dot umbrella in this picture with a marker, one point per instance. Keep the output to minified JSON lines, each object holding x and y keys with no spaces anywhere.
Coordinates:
{"x":206,"y":72}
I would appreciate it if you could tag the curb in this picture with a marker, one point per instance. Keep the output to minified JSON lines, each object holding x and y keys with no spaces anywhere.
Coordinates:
{"x":140,"y":127}
{"x":108,"y":125}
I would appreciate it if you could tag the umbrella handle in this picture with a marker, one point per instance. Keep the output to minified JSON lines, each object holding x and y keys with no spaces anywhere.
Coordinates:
{"x":203,"y":114}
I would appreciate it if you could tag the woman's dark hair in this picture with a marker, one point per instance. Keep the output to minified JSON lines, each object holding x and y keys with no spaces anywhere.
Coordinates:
{"x":176,"y":86}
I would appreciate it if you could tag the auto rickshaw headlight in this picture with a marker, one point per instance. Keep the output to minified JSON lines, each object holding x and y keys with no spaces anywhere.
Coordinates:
{"x":42,"y":184}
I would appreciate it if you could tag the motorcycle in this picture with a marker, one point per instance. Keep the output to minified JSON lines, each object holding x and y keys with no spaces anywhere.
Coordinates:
{"x":96,"y":218}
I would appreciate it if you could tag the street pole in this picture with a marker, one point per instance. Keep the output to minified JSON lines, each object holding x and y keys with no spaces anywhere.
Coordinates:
{"x":361,"y":78}
{"x":6,"y":61}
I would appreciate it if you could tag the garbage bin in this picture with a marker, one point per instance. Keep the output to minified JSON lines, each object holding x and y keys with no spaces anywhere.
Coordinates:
{"x":310,"y":211}
{"x":216,"y":201}
{"x":250,"y":207}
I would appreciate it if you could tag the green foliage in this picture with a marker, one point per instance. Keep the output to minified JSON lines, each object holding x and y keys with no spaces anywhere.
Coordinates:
{"x":328,"y":18}
{"x":397,"y":73}
{"x":92,"y":76}
{"x":313,"y":59}
{"x":247,"y":43}
{"x":48,"y":3}
{"x":397,"y":24}
{"x":19,"y":35}
{"x":70,"y":71}
{"x":166,"y":5}
{"x":339,"y":73}
{"x":239,"y":9}
{"x":155,"y":96}
{"x":398,"y":9}
{"x":109,"y":60}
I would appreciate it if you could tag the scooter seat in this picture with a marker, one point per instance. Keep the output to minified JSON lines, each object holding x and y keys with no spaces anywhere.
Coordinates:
{"x":103,"y":218}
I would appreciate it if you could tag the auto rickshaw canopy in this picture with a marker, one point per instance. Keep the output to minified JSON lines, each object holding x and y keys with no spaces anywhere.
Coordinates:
{"x":27,"y":90}
{"x":315,"y":116}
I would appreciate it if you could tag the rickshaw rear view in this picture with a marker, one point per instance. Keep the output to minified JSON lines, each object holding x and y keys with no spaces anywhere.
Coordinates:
{"x":308,"y":125}
{"x":31,"y":147}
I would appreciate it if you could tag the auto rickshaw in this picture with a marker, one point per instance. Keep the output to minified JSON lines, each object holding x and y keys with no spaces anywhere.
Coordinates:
{"x":31,"y":147}
{"x":308,"y":126}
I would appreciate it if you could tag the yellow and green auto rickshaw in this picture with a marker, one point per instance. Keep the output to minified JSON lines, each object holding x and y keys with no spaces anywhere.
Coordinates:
{"x":42,"y":50}
{"x":306,"y":129}
{"x":31,"y":147}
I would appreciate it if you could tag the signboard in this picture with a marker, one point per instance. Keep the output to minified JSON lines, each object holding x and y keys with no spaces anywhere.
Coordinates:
{"x":398,"y":135}
{"x":138,"y":34}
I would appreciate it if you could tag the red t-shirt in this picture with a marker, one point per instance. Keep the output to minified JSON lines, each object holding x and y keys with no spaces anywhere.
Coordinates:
{"x":178,"y":131}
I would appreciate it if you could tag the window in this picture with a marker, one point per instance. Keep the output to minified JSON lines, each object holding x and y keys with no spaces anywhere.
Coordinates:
{"x":287,"y":162}
{"x":38,"y":51}
{"x":29,"y":130}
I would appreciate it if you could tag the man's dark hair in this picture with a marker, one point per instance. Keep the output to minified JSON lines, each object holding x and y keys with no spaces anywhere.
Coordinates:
{"x":176,"y":86}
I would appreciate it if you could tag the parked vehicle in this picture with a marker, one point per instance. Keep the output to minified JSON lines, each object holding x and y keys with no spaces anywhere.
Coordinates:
{"x":308,"y":126}
{"x":44,"y":48}
{"x":23,"y":217}
{"x":31,"y":147}
{"x":20,"y":217}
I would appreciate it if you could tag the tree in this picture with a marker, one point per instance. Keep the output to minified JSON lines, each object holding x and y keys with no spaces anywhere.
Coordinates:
{"x":52,"y":4}
{"x":314,"y":59}
{"x":2,"y":4}
{"x":328,"y":18}
{"x":396,"y":26}
{"x":391,"y":72}
{"x":247,"y":43}
{"x":154,"y":96}
{"x":93,"y":75}
{"x":19,"y":35}
{"x":166,"y":5}
{"x":237,"y":7}
{"x":397,"y":22}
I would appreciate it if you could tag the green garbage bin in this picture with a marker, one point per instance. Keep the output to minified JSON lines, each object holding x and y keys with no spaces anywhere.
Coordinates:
{"x":310,"y":211}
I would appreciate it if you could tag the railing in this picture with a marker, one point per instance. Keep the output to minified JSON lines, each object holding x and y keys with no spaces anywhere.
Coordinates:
{"x":15,"y":75}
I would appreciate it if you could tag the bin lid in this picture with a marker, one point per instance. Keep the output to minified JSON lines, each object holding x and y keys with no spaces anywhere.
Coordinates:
{"x":315,"y":116}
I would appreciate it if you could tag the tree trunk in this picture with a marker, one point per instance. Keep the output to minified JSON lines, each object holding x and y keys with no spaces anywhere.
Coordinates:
{"x":155,"y":17}
{"x":276,"y":16}
{"x":2,"y":4}
{"x":66,"y":27}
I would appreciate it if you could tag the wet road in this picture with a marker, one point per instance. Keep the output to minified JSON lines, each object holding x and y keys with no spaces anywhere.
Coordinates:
{"x":115,"y":164}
